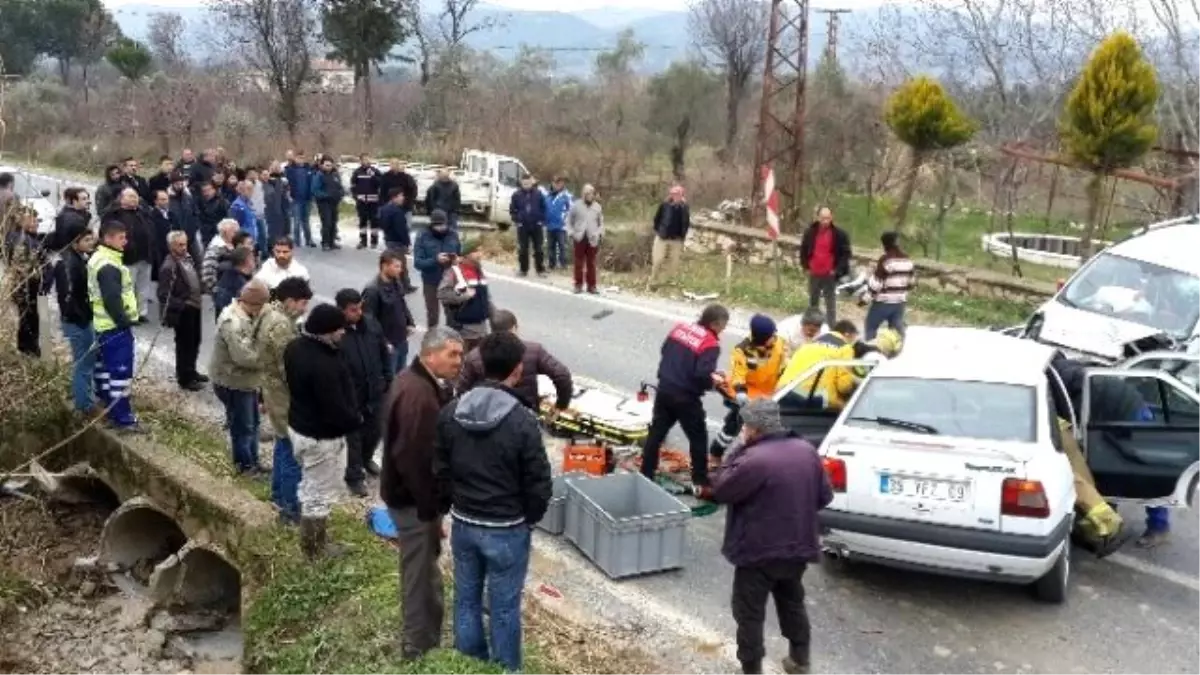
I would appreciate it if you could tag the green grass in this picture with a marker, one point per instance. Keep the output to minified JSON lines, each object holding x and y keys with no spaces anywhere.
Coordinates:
{"x":340,"y":615}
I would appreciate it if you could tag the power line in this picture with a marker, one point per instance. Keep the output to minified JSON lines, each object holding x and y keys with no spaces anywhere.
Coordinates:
{"x":832,"y":30}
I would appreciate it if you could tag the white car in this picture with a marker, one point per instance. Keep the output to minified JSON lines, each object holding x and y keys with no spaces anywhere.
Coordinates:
{"x":948,"y":457}
{"x":30,"y":196}
{"x":1144,"y":286}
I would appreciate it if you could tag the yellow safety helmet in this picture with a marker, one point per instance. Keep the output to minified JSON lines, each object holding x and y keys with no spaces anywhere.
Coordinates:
{"x":888,"y":341}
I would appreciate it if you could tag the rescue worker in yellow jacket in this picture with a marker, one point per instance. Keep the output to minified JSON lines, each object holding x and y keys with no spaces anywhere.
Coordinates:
{"x":829,"y":388}
{"x":757,"y":363}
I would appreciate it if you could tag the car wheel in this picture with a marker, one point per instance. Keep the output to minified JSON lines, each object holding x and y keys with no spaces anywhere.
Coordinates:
{"x":1052,"y":587}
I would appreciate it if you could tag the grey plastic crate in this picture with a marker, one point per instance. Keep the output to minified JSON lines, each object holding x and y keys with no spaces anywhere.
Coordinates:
{"x":626,"y":524}
{"x":556,"y":513}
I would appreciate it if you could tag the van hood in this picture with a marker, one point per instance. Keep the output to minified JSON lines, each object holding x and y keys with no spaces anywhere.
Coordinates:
{"x":1090,"y":333}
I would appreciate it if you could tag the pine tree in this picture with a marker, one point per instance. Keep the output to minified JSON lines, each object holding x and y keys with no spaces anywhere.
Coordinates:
{"x":925,"y":119}
{"x":1108,"y":121}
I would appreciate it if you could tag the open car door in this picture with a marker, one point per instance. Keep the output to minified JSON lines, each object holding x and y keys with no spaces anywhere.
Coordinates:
{"x":1139,"y":430}
{"x":801,"y":408}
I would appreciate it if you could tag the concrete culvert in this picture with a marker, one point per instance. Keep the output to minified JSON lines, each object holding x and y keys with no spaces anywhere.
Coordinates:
{"x":208,"y":580}
{"x":139,"y":534}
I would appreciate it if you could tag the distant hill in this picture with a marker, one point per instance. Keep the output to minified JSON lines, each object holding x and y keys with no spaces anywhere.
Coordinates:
{"x":574,"y":38}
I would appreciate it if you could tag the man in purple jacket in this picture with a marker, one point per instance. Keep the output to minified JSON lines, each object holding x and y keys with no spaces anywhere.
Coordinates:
{"x":774,"y":485}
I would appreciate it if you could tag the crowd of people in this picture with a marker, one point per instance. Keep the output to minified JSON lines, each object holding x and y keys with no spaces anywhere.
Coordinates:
{"x":334,"y":380}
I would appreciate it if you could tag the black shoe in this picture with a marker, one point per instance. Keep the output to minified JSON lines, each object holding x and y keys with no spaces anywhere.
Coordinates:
{"x":752,"y":667}
{"x":361,"y":245}
{"x":578,"y":290}
{"x":357,"y":489}
{"x":192,"y":385}
{"x":794,"y":667}
{"x":372,"y":468}
{"x":143,"y":320}
{"x":201,"y":378}
{"x":523,"y":273}
{"x":594,"y":291}
{"x":326,"y":247}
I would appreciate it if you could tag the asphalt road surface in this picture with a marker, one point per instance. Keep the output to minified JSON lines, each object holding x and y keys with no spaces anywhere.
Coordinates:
{"x":1134,"y":612}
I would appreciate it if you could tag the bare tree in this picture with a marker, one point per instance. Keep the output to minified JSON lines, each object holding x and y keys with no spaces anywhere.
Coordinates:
{"x":444,"y":32}
{"x":731,"y":36}
{"x":165,"y":37}
{"x":278,"y":39}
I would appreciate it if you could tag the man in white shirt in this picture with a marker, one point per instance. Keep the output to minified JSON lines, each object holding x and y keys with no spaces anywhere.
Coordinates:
{"x":800,"y":329}
{"x":281,"y":265}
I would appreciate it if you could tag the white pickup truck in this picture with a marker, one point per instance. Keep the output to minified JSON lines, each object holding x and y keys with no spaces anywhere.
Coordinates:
{"x":25,"y":189}
{"x":486,"y":180}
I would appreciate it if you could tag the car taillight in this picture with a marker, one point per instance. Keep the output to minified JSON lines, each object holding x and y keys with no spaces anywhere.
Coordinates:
{"x":836,"y":470}
{"x":1025,"y":498}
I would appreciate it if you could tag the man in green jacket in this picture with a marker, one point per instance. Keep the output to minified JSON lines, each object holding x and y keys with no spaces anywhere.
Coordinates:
{"x":278,"y":327}
{"x":236,"y":371}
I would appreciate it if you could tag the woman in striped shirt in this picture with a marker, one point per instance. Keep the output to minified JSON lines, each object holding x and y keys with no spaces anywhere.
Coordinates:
{"x":888,"y":287}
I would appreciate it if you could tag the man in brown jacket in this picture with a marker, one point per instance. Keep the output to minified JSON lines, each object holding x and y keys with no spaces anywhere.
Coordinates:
{"x":537,"y":361}
{"x":407,"y":486}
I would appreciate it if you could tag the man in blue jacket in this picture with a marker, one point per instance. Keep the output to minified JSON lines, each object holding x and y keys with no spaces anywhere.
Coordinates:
{"x":686,"y":371}
{"x":299,"y":178}
{"x":327,"y":191}
{"x":393,"y":220}
{"x":242,"y":210}
{"x":437,"y":248}
{"x":558,"y":204}
{"x":528,"y":211}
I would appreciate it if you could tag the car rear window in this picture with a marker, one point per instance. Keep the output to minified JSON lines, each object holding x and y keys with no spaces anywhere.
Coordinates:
{"x":980,"y":410}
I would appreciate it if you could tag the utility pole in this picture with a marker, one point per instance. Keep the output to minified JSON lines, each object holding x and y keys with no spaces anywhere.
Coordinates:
{"x":831,"y":41}
{"x":780,"y":139}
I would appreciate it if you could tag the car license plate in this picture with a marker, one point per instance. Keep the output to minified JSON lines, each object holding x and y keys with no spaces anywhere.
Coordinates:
{"x":922,"y":488}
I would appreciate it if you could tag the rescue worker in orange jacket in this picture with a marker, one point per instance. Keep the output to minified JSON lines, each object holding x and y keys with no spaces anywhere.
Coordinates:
{"x":757,"y":363}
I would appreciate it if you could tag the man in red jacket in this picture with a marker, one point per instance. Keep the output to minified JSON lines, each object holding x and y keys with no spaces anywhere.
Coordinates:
{"x":774,"y":485}
{"x":825,"y":255}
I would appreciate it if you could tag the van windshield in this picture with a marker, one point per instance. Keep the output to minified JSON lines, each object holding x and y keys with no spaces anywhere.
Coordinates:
{"x":1137,"y":291}
{"x":992,"y":411}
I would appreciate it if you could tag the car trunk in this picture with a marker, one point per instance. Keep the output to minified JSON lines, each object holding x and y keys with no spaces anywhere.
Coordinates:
{"x":927,"y":479}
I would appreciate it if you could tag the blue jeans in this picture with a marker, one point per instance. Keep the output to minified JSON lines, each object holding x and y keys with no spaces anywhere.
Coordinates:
{"x":241,"y":414}
{"x":285,"y":479}
{"x":399,"y":358}
{"x":301,"y":227}
{"x":83,"y":357}
{"x":498,"y":558}
{"x":879,"y":313}
{"x":556,"y":248}
{"x":1158,"y":519}
{"x":262,"y":238}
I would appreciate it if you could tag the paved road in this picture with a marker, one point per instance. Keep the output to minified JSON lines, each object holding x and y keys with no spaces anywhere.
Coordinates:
{"x":1135,"y":612}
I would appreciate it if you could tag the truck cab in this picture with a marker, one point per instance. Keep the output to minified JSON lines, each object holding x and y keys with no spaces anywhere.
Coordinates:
{"x":500,"y":177}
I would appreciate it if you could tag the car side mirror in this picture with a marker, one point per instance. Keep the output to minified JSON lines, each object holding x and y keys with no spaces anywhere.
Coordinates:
{"x":45,"y":193}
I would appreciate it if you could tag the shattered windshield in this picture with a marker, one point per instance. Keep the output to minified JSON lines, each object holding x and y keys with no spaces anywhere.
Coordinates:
{"x":1137,"y":291}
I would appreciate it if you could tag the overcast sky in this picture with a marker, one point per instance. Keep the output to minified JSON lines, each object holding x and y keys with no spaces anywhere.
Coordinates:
{"x":543,"y":4}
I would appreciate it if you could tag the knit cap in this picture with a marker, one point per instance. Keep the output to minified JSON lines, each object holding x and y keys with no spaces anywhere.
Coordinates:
{"x":323,"y":320}
{"x":762,"y":327}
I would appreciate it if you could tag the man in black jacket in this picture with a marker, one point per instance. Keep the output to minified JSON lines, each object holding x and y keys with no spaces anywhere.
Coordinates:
{"x":383,"y":299}
{"x":75,"y":308}
{"x":686,"y":371}
{"x":321,"y":413}
{"x":141,"y":249}
{"x":162,"y":179}
{"x":366,"y":353}
{"x":75,"y":215}
{"x":211,"y":209}
{"x":185,"y":216}
{"x":444,"y":195}
{"x":672,"y":221}
{"x":397,"y":177}
{"x":491,"y":462}
{"x":364,"y":186}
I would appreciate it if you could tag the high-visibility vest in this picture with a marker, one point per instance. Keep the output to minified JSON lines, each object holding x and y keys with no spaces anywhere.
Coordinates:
{"x":103,"y":257}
